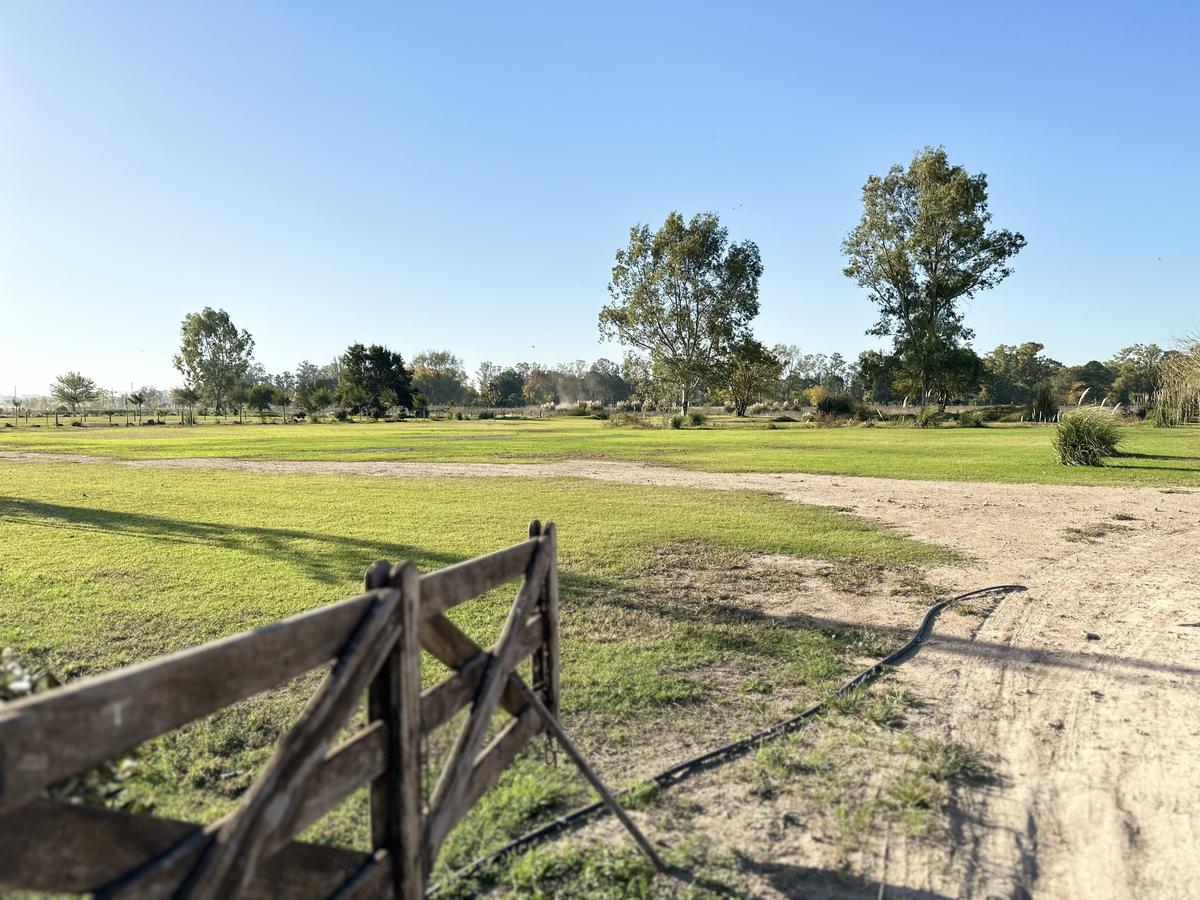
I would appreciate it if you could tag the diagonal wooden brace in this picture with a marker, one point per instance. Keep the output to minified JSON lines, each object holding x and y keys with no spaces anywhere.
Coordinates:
{"x":444,"y":805}
{"x":269,"y":806}
{"x":532,"y":716}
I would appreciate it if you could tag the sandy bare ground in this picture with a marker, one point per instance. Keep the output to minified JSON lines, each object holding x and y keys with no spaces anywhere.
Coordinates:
{"x":1084,"y":689}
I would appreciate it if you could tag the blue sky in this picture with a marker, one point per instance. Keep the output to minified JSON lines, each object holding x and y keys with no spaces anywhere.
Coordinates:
{"x":460,"y":175}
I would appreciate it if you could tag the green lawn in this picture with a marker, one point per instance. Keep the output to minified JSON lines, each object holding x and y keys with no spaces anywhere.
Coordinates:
{"x":997,"y":453}
{"x":104,"y":565}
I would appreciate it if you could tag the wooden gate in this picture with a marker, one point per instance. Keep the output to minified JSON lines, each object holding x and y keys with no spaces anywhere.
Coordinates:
{"x":374,"y":642}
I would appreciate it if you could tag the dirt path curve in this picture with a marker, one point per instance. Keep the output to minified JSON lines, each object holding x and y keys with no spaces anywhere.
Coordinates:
{"x":1085,"y":689}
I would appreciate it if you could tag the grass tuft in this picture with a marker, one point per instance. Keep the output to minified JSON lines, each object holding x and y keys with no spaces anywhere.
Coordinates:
{"x":1086,"y":437}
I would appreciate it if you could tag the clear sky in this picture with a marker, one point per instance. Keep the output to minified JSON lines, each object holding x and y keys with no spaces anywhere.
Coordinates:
{"x":460,"y":175}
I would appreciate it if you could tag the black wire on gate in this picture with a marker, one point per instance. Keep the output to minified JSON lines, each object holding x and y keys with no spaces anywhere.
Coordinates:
{"x":578,"y":817}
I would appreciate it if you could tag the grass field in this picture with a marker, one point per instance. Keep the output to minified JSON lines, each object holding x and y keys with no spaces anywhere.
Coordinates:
{"x":104,"y":566}
{"x":997,"y":453}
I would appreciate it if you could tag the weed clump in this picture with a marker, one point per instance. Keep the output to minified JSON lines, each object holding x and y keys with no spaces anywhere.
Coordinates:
{"x":927,"y":418}
{"x":628,"y":420}
{"x":971,"y":418}
{"x":1085,"y":436}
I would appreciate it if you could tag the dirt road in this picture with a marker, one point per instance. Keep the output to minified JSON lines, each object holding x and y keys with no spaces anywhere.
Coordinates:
{"x":1085,"y":688}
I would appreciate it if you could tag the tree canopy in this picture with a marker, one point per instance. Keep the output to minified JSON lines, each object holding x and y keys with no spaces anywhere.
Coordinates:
{"x":440,"y":376}
{"x":73,"y":390}
{"x":682,"y":294}
{"x":373,"y":379}
{"x":921,"y":246}
{"x":214,"y":356}
{"x":751,"y":372}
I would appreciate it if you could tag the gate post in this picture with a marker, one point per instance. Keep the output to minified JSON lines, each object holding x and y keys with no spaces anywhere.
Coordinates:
{"x":546,"y":659}
{"x":395,"y":698}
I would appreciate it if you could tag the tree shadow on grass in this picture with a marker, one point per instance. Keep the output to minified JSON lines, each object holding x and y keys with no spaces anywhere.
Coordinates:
{"x":1168,"y":456}
{"x":325,"y":558}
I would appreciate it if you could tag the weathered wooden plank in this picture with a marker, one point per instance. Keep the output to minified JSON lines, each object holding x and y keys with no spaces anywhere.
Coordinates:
{"x":230,"y":861}
{"x":408,"y":878}
{"x":546,"y":667}
{"x":395,"y":698}
{"x":39,"y":736}
{"x":373,"y":881}
{"x":463,"y":581}
{"x":62,"y":848}
{"x":345,"y":769}
{"x":447,"y":795}
{"x":440,"y":702}
{"x":495,"y":758}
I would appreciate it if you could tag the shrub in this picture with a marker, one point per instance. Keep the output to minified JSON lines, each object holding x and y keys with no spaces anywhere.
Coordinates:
{"x":758,"y":409}
{"x":1085,"y":436}
{"x":486,"y":414}
{"x":927,"y":418}
{"x":696,"y":419}
{"x":1044,"y":408}
{"x":628,"y":420}
{"x":676,"y":421}
{"x":971,"y":418}
{"x":834,"y":404}
{"x":1161,"y":417}
{"x":342,"y":415}
{"x":814,"y":395}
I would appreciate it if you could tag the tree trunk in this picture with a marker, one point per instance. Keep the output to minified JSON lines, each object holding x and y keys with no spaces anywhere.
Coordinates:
{"x":683,"y":400}
{"x":924,"y":389}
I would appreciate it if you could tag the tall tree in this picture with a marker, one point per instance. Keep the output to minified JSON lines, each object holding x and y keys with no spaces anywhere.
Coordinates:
{"x":73,"y":390}
{"x":374,"y":378}
{"x":1137,"y":372}
{"x":922,"y":246}
{"x":439,"y":375}
{"x":1013,"y":373}
{"x":682,"y":295}
{"x":751,"y":371}
{"x":214,"y":356}
{"x":604,"y":381}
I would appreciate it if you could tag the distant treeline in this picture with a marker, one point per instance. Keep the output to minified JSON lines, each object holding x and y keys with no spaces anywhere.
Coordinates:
{"x":376,"y":381}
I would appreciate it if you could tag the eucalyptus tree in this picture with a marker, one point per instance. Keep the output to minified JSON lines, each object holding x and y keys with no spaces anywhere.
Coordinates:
{"x":683,"y":295}
{"x":214,"y":355}
{"x":440,"y":376}
{"x":922,"y":246}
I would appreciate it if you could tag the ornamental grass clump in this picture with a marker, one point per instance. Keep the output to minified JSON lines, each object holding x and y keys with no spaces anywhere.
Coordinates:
{"x":1085,"y":436}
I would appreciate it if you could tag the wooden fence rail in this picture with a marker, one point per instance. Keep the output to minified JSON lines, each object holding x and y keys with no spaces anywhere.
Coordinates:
{"x":374,"y":644}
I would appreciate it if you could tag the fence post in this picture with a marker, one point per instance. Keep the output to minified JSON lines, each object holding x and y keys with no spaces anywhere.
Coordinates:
{"x":395,"y":698}
{"x":546,"y":660}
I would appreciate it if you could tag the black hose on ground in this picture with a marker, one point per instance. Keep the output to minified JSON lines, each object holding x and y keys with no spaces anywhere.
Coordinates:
{"x":578,"y":817}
